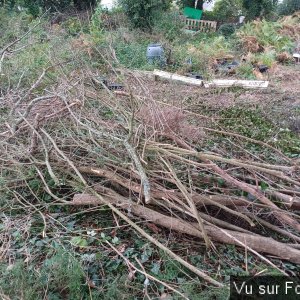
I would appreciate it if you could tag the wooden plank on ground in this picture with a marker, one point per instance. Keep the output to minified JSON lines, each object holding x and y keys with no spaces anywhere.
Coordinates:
{"x":250,"y":84}
{"x":178,"y":78}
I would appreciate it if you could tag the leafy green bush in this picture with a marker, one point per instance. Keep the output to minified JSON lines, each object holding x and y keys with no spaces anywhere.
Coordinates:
{"x":35,"y":6}
{"x":209,"y":16}
{"x":85,"y":4}
{"x":217,"y":45}
{"x":191,"y":3}
{"x":39,"y":50}
{"x":132,"y":55}
{"x":12,"y":25}
{"x":73,"y":26}
{"x":169,"y":25}
{"x":227,"y":29}
{"x":266,"y":58}
{"x":199,"y":52}
{"x":96,"y":27}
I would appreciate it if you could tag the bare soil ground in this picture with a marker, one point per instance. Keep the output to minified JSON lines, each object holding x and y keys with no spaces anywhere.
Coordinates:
{"x":284,"y":82}
{"x":280,"y":101}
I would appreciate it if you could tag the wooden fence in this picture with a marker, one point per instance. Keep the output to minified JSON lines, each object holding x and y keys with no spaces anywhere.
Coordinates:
{"x":200,"y":25}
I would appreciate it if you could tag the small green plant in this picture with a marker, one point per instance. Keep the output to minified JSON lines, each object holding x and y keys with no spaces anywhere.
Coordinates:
{"x":96,"y":27}
{"x":133,"y":54}
{"x":254,"y":124}
{"x":248,"y":122}
{"x":266,"y":58}
{"x":73,"y":26}
{"x":245,"y":70}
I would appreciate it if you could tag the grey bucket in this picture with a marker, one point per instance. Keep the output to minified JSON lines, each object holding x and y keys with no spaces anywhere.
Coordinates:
{"x":155,"y":54}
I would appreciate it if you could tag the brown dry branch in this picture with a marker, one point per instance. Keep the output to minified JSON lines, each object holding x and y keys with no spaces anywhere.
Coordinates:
{"x":256,"y":242}
{"x":279,"y":230}
{"x":28,"y":93}
{"x":288,"y":200}
{"x":160,"y":194}
{"x":228,"y":133}
{"x":144,"y":178}
{"x":280,"y":214}
{"x":190,"y":202}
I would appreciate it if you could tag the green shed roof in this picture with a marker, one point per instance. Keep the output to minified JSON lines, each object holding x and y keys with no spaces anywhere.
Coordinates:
{"x":192,"y":13}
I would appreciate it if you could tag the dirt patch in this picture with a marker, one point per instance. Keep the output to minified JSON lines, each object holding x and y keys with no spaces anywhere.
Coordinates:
{"x":284,"y":87}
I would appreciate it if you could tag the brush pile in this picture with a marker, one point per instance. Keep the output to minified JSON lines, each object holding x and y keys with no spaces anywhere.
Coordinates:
{"x":154,"y":160}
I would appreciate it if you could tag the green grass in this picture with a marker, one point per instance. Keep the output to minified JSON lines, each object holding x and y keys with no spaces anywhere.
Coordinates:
{"x":60,"y":274}
{"x":245,"y":70}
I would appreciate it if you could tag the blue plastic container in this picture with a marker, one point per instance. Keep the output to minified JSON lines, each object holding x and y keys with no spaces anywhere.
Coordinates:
{"x":155,"y":54}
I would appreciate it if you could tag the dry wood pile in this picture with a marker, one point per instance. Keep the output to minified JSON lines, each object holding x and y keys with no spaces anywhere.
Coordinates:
{"x":151,"y":160}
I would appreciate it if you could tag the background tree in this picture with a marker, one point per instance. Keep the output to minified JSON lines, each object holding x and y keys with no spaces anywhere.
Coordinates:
{"x":288,"y":7}
{"x":35,"y":6}
{"x":228,"y":11}
{"x":142,"y":13}
{"x":259,"y":8}
{"x":86,"y":4}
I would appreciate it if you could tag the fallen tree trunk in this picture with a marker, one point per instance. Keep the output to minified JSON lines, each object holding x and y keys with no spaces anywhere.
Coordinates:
{"x":157,"y":194}
{"x":258,"y":243}
{"x":290,"y":201}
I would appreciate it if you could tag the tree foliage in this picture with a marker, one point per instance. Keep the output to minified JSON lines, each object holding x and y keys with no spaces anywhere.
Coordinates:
{"x":288,"y":7}
{"x":259,"y":8}
{"x":228,"y":10}
{"x":35,"y":6}
{"x":142,"y":13}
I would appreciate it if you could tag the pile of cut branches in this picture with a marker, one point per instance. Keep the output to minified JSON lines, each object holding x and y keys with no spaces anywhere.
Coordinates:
{"x":151,"y":160}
